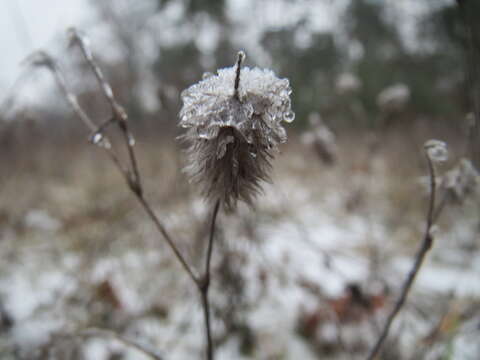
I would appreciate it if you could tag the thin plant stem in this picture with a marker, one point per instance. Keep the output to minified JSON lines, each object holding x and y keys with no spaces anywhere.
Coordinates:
{"x":210,"y":240}
{"x":118,"y":111}
{"x":204,"y":285}
{"x":119,"y":114}
{"x":77,"y":109}
{"x":42,"y":58}
{"x":210,"y":353}
{"x":132,"y":175}
{"x":166,"y":235}
{"x":419,"y":258}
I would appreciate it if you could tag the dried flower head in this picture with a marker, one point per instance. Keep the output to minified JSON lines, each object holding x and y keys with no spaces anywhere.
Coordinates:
{"x":234,"y":127}
{"x":462,"y":181}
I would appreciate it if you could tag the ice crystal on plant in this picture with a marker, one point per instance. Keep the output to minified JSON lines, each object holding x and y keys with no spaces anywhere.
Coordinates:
{"x":234,"y":126}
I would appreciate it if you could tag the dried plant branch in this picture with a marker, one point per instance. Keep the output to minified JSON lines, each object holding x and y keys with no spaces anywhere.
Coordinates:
{"x":210,"y":240}
{"x":131,"y":173}
{"x":118,"y":112}
{"x":43,"y":59}
{"x":204,"y":285}
{"x":120,"y":117}
{"x":143,"y":348}
{"x":168,"y":238}
{"x":419,"y":258}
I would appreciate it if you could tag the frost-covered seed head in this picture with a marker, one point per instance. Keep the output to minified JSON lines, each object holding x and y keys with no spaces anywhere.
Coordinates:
{"x":233,"y":121}
{"x":436,"y":150}
{"x":462,"y":181}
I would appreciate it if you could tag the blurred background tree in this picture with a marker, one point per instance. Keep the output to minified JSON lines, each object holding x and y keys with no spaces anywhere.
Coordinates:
{"x":338,"y":70}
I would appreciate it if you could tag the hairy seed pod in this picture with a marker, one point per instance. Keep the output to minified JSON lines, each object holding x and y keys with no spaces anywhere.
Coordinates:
{"x":233,"y":121}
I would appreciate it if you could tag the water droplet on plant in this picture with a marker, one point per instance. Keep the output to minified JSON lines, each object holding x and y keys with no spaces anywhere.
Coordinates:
{"x":289,"y":116}
{"x":131,"y":140}
{"x":97,"y":138}
{"x":100,"y":140}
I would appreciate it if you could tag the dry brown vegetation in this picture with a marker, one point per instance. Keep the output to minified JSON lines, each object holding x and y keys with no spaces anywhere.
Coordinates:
{"x":71,"y":229}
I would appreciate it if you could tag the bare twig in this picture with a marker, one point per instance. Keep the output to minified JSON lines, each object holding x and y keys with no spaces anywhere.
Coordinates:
{"x":204,"y":285}
{"x":161,"y":228}
{"x":42,"y":58}
{"x":419,"y":258}
{"x":143,"y":348}
{"x":118,"y":112}
{"x":210,"y":240}
{"x":131,"y":173}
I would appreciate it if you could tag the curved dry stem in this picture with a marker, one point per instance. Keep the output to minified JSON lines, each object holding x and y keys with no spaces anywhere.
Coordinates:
{"x":419,"y":258}
{"x":41,"y":58}
{"x":131,"y":173}
{"x":204,"y":285}
{"x":118,"y":112}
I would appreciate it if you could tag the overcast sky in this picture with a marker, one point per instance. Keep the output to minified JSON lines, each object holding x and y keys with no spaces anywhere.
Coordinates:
{"x":26,"y":25}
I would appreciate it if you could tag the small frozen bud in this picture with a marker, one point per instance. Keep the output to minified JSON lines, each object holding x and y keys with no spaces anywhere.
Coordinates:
{"x":436,"y":150}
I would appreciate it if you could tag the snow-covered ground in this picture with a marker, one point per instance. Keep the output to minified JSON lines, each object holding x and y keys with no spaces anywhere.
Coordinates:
{"x":281,"y":269}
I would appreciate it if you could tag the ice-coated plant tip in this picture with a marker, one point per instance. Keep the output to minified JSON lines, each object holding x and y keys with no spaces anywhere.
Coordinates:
{"x":233,"y":121}
{"x":436,"y":150}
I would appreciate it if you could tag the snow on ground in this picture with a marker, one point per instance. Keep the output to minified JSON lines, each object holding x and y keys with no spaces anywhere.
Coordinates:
{"x":302,"y":239}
